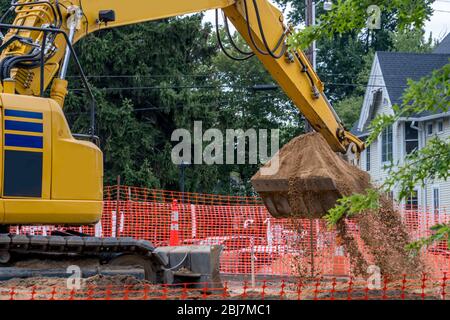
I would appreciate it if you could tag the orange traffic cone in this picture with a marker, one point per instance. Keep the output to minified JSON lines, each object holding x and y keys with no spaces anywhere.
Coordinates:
{"x":174,"y":227}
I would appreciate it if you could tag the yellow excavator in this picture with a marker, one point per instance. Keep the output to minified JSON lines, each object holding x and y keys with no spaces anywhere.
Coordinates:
{"x":52,"y":176}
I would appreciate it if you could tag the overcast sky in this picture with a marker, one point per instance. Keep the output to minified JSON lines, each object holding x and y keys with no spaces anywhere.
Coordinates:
{"x":439,"y":23}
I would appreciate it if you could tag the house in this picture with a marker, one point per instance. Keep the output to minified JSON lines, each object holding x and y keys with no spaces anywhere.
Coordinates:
{"x":387,"y":82}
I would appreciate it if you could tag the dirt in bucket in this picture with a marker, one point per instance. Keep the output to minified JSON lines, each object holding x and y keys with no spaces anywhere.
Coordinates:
{"x":311,"y":179}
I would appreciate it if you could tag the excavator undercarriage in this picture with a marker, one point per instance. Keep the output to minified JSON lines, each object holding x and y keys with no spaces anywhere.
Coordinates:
{"x":196,"y":265}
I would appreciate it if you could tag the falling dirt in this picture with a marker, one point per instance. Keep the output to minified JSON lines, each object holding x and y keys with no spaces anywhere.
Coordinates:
{"x":384,"y":239}
{"x":310,"y":180}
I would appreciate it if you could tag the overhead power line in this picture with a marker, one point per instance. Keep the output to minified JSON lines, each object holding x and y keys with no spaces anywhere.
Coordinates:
{"x":224,"y":87}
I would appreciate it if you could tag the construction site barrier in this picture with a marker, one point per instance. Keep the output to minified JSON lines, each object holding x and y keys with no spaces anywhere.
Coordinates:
{"x":418,"y":288}
{"x":253,"y":242}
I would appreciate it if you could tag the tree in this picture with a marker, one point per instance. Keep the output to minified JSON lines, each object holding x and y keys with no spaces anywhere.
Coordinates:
{"x":412,"y":40}
{"x":143,"y":98}
{"x":247,"y":108}
{"x":347,"y":109}
{"x":354,"y":15}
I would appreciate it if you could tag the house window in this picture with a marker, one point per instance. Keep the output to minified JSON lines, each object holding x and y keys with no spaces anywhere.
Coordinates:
{"x":411,"y":138}
{"x":440,"y":126}
{"x":386,"y":145}
{"x":412,"y":202}
{"x":430,"y":129}
{"x":436,"y":199}
{"x":368,"y":155}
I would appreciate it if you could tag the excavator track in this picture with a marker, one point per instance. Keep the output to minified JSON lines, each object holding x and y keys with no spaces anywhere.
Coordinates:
{"x":169,"y":265}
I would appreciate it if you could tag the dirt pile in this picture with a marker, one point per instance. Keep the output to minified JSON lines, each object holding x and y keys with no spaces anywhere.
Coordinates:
{"x":310,"y":179}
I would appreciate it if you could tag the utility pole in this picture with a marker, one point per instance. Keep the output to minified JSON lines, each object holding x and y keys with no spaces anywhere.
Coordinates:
{"x":310,"y":20}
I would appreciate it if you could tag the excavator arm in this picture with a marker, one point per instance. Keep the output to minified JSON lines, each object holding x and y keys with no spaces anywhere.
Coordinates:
{"x":258,"y":22}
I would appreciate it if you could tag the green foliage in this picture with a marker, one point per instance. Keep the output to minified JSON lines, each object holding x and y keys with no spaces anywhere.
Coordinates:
{"x":348,"y":109}
{"x":441,"y":232}
{"x":340,"y":60}
{"x":412,"y":40}
{"x":352,"y":15}
{"x":351,"y":205}
{"x":246,"y":108}
{"x":432,"y":162}
{"x":155,"y":63}
{"x":181,"y":78}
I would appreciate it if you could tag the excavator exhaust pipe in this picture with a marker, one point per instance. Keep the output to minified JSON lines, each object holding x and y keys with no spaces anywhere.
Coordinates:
{"x":310,"y":180}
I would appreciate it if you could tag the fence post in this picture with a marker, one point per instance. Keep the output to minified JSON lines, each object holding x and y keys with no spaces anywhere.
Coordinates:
{"x":252,"y":260}
{"x":174,"y":226}
{"x":118,"y":207}
{"x":311,"y":243}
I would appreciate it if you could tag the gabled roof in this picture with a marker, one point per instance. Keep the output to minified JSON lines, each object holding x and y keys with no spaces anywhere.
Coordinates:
{"x":398,"y":67}
{"x":444,"y":46}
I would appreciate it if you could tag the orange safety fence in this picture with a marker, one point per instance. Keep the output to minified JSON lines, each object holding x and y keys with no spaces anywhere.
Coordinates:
{"x":420,"y":287}
{"x":253,"y":241}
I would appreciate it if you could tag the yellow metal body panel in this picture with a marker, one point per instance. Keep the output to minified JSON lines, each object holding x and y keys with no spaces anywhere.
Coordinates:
{"x":60,"y":212}
{"x":27,"y":103}
{"x":72,"y":170}
{"x":77,"y":165}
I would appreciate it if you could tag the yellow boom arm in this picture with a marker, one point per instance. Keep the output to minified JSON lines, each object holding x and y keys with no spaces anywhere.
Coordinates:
{"x":259,"y":23}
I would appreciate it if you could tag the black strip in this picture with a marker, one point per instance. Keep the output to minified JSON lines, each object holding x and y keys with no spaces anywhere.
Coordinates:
{"x":23,"y":174}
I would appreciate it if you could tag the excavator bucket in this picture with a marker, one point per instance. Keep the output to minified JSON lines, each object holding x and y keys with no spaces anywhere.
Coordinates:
{"x":309,"y":181}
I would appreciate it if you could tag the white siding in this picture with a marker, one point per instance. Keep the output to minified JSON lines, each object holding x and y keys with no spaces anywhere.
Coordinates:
{"x":444,"y":186}
{"x":376,"y":83}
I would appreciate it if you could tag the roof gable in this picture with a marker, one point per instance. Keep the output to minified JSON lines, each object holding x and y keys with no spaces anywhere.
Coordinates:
{"x":398,"y":67}
{"x":375,"y":94}
{"x":444,"y":46}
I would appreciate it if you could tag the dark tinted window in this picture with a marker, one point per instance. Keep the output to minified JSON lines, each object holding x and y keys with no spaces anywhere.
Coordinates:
{"x":411,"y":138}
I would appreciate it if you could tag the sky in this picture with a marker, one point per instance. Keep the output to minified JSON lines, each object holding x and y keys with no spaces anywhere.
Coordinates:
{"x":439,"y":23}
